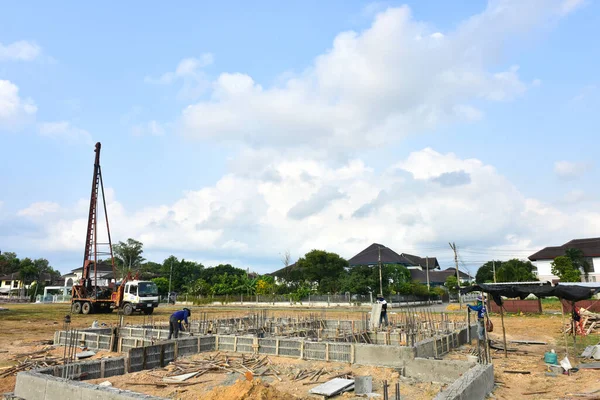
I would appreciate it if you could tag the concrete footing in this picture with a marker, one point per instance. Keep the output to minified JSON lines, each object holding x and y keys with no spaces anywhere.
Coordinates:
{"x":475,"y":384}
{"x":35,"y":386}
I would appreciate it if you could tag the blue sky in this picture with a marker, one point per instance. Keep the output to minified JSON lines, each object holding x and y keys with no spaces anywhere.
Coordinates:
{"x":211,"y":116}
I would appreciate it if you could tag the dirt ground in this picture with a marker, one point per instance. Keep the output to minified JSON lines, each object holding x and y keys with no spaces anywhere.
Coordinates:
{"x":220,"y":386}
{"x":26,"y":326}
{"x":536,"y":385}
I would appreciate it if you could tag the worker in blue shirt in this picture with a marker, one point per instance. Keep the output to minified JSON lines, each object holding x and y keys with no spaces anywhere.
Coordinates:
{"x":480,"y":308}
{"x":175,"y":321}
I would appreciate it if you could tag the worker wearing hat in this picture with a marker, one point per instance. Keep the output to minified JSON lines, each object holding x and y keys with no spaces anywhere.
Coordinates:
{"x":383,"y":316}
{"x":480,"y":309}
{"x":176,"y":320}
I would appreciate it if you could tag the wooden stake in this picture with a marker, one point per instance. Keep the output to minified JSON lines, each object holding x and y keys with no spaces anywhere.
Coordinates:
{"x":503,"y":330}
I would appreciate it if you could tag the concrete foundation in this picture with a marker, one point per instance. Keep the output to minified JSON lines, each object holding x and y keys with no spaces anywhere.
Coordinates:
{"x":35,"y":386}
{"x":475,"y":384}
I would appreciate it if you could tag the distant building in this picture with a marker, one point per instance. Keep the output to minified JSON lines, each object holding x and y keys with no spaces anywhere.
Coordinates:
{"x":589,"y":247}
{"x":104,"y":272}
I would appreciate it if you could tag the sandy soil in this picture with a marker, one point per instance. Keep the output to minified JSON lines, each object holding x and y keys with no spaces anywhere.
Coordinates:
{"x":220,"y":386}
{"x":26,"y":325}
{"x":535,"y":385}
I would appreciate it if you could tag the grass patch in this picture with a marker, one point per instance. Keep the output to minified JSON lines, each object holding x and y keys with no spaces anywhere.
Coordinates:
{"x":551,"y":304}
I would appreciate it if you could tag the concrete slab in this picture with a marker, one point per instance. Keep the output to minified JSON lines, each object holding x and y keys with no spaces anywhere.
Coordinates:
{"x":475,"y":384}
{"x":333,"y":387}
{"x":30,"y":386}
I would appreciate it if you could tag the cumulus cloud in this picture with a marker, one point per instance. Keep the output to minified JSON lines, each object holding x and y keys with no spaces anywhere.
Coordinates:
{"x":395,"y":78}
{"x":39,"y":209}
{"x":248,"y":217}
{"x":19,"y":51}
{"x":63,"y":130}
{"x":570,"y":170}
{"x":189,"y":71}
{"x":14,"y":110}
{"x":454,"y":178}
{"x":152,"y":128}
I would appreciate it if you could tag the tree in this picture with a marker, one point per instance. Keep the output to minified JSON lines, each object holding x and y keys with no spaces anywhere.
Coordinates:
{"x":452,"y":284}
{"x":395,"y":276}
{"x":129,"y":254}
{"x":578,"y":260}
{"x":162,"y":284}
{"x":485,"y":273}
{"x":516,"y":270}
{"x":563,"y":268}
{"x":324,"y":268}
{"x":9,"y":263}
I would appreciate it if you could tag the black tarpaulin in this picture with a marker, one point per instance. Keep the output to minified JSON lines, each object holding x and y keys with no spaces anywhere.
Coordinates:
{"x":571,"y":293}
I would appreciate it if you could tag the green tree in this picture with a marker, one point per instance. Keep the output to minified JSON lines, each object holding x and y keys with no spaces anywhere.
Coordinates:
{"x":485,"y":273}
{"x":452,"y":284}
{"x":563,"y":268}
{"x":324,"y":268}
{"x":162,"y":284}
{"x":9,"y":263}
{"x":129,"y":254}
{"x":395,"y":276}
{"x":578,"y":260}
{"x":516,"y":270}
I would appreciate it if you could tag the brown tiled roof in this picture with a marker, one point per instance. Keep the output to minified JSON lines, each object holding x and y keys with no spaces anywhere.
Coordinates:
{"x":436,"y":276}
{"x":590,"y":248}
{"x":370,"y":256}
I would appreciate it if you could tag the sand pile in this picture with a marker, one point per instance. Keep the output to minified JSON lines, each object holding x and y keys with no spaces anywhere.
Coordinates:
{"x":248,"y":390}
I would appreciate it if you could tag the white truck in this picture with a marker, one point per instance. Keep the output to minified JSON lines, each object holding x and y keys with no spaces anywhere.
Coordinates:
{"x":139,"y":296}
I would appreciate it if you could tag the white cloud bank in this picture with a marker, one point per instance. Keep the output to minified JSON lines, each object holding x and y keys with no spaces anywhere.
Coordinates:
{"x":63,"y":130}
{"x":14,"y":110}
{"x":570,"y":170}
{"x":343,"y":209}
{"x":19,"y":51}
{"x":373,"y":87}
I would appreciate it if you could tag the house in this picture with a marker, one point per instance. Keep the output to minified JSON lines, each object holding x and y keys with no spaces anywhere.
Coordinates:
{"x":372,"y":254}
{"x":11,"y":284}
{"x":104,"y":271}
{"x":591,"y":252}
{"x":438,"y":278}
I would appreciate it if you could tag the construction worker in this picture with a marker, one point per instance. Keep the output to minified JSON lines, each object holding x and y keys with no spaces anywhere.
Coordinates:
{"x":175,"y":322}
{"x":480,"y":308}
{"x":383,"y":316}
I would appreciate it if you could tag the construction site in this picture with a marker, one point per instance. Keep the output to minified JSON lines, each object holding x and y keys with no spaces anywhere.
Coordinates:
{"x":82,"y":351}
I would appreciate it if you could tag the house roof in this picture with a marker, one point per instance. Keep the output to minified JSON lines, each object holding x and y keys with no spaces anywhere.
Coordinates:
{"x":427,"y":262}
{"x":370,"y":256}
{"x":590,"y":248}
{"x":436,"y":276}
{"x":10,"y":277}
{"x":283,"y":272}
{"x":101,"y":267}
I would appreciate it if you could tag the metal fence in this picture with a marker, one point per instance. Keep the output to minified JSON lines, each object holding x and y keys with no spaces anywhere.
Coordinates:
{"x":312,"y":298}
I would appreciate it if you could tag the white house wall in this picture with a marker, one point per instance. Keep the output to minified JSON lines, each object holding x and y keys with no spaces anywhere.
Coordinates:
{"x":544,"y":270}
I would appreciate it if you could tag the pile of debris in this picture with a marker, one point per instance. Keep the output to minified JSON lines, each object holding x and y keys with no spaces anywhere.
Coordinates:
{"x":27,"y":361}
{"x":589,"y":323}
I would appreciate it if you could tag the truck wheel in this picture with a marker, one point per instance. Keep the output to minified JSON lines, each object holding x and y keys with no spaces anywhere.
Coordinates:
{"x":127,"y":309}
{"x":149,"y":311}
{"x":76,"y":308}
{"x":86,"y":307}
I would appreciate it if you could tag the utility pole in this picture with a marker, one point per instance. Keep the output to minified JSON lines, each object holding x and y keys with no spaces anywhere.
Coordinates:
{"x":380,"y":278}
{"x":453,"y":247}
{"x":427,"y":266}
{"x":494,"y":268}
{"x":170,"y":276}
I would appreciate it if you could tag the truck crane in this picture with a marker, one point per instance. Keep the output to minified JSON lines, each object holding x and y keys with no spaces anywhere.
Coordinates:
{"x":88,"y":296}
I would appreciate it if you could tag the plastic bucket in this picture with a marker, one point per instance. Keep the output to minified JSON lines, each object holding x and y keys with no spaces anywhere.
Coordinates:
{"x":550,"y":358}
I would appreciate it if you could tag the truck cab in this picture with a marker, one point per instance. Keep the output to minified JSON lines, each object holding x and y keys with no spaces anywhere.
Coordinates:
{"x":140,"y":296}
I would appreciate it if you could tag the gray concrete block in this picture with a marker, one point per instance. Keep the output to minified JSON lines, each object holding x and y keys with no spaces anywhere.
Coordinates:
{"x":475,"y":384}
{"x":62,"y":389}
{"x":363,"y":384}
{"x":429,"y":370}
{"x":381,"y":355}
{"x":31,"y":386}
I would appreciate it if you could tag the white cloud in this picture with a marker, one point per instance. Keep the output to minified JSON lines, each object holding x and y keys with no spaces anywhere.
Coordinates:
{"x":63,"y":130}
{"x":569,"y":6}
{"x":246,"y":217}
{"x":152,"y":128}
{"x":570,"y":170}
{"x":14,"y":111}
{"x":189,"y":71}
{"x":19,"y":51}
{"x":39,"y":209}
{"x":376,"y":86}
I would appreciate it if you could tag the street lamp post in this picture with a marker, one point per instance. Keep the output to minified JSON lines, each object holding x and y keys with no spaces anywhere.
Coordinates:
{"x":380,"y":278}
